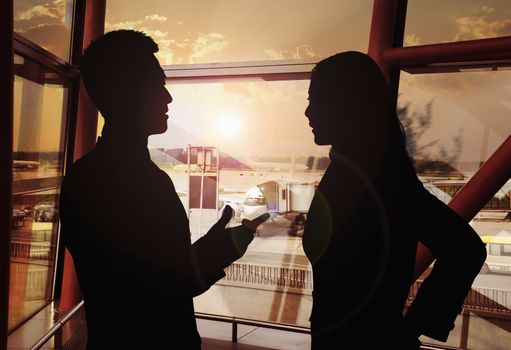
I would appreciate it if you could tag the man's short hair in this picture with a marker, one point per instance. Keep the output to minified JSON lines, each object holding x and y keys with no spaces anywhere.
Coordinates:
{"x":112,"y":62}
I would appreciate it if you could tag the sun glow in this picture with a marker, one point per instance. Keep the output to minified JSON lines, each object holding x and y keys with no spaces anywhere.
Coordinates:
{"x":229,"y":125}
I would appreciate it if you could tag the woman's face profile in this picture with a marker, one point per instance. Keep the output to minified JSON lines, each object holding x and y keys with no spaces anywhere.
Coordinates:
{"x":319,"y":115}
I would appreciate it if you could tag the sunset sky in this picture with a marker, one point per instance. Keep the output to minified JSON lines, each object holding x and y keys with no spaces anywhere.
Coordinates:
{"x":269,"y":115}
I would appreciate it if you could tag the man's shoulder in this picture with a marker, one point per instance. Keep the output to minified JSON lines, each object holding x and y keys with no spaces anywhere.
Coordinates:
{"x":83,"y":169}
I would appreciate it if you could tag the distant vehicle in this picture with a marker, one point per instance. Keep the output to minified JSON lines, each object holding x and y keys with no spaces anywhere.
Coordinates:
{"x":45,"y":213}
{"x":283,"y":224}
{"x":498,"y":250}
{"x":18,"y":213}
{"x":18,"y":218}
{"x":296,"y":228}
{"x":25,"y":165}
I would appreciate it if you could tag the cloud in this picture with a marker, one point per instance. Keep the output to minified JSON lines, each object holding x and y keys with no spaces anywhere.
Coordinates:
{"x":36,"y":11}
{"x":53,"y":37}
{"x":412,"y":40}
{"x":172,"y":48}
{"x":487,"y":9}
{"x":300,"y":52}
{"x":479,"y":26}
{"x":156,"y":18}
{"x":55,"y":10}
{"x":204,"y":44}
{"x":136,"y":25}
{"x":476,"y":25}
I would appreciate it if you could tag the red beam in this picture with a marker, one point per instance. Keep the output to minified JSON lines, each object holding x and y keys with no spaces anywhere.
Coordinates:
{"x":6,"y":131}
{"x":494,"y":173}
{"x":448,"y":52}
{"x":381,"y":37}
{"x":87,"y":119}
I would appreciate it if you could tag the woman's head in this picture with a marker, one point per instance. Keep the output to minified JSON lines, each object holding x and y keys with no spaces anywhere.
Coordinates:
{"x":349,"y":102}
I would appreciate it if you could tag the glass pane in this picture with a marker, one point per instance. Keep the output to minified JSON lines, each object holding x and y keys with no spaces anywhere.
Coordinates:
{"x":225,"y":31}
{"x":268,"y":162}
{"x":455,"y":21}
{"x":33,"y":251}
{"x":454,"y":122}
{"x":39,"y":129}
{"x":458,"y":118}
{"x":46,"y":23}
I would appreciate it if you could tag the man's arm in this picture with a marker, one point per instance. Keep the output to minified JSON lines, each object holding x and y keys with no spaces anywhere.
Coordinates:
{"x":221,"y":246}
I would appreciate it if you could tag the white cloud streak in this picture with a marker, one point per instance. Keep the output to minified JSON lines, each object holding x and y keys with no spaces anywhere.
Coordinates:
{"x":478,"y":26}
{"x":55,"y":10}
{"x":173,"y":50}
{"x":300,"y":52}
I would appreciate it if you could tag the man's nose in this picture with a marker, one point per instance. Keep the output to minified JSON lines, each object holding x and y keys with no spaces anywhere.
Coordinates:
{"x":168,"y":96}
{"x":307,"y":112}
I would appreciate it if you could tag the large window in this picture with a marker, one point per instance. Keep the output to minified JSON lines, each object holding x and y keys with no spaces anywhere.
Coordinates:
{"x":266,"y":157}
{"x":42,"y":86}
{"x":39,"y":139}
{"x":256,"y":125}
{"x":454,"y":122}
{"x":268,"y":163}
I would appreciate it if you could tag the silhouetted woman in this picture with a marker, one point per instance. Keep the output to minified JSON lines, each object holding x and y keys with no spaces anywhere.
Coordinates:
{"x":368,"y":214}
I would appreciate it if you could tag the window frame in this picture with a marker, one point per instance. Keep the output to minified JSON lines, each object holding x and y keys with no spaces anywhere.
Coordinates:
{"x":68,"y":75}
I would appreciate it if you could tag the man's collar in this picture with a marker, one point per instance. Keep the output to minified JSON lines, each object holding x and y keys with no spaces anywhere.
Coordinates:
{"x":122,"y":149}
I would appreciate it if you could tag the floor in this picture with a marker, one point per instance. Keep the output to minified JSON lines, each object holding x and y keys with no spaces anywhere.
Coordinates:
{"x":216,"y":335}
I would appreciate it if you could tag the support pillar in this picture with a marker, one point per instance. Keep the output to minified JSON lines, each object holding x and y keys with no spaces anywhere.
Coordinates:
{"x":387,"y":31}
{"x":85,"y":139}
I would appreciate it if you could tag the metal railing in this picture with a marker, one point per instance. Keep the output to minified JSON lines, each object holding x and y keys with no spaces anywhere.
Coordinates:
{"x":272,"y":276}
{"x":496,"y":301}
{"x":56,"y":327}
{"x":235,"y":321}
{"x":33,"y":251}
{"x":482,"y":299}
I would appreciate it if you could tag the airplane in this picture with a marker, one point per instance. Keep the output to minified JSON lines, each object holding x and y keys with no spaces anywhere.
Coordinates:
{"x":283,"y":220}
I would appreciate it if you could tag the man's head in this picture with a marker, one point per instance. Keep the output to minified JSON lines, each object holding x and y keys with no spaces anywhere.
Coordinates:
{"x":125,"y":81}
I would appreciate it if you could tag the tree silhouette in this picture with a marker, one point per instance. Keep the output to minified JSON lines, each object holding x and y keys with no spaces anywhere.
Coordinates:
{"x":415,"y":124}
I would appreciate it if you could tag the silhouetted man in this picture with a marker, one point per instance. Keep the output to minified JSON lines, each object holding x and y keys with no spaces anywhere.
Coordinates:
{"x":122,"y":219}
{"x":369,"y":213}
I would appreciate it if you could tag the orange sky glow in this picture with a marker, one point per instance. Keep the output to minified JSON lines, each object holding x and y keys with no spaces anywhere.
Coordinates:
{"x":471,"y":106}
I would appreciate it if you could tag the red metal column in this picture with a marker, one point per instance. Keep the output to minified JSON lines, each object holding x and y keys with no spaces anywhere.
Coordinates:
{"x":86,"y":126}
{"x":383,"y":25}
{"x":6,"y":127}
{"x":494,"y":173}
